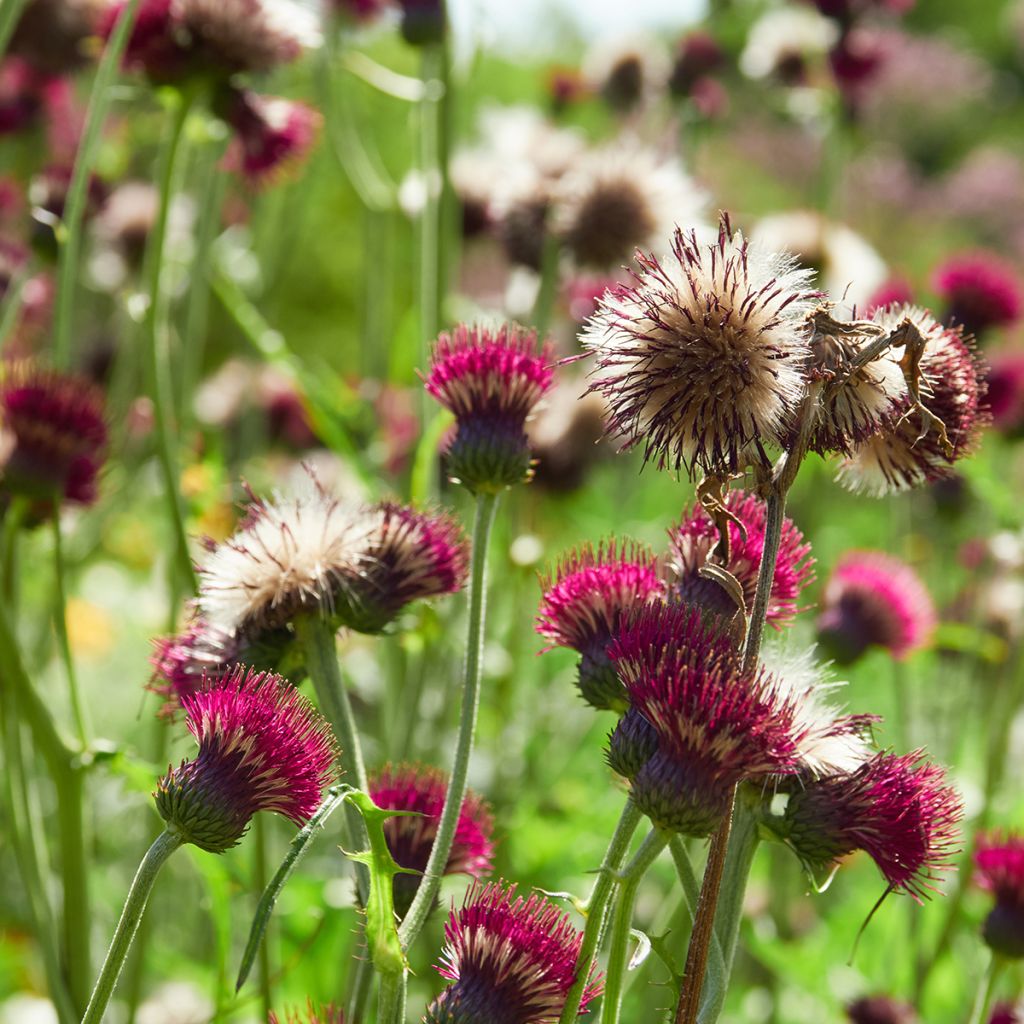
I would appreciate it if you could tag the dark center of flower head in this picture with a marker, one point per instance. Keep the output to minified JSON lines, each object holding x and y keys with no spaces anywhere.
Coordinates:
{"x":612,"y":221}
{"x":1003,"y":930}
{"x":477,"y":1000}
{"x":678,"y":796}
{"x":624,"y":86}
{"x":857,"y":621}
{"x":489,"y":453}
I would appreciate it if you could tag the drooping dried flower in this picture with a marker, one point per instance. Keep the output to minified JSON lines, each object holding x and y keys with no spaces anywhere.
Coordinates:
{"x":899,"y":809}
{"x":586,"y":600}
{"x":262,"y":747}
{"x":490,"y":379}
{"x":981,"y":291}
{"x":692,"y":547}
{"x":701,"y":360}
{"x":874,"y":600}
{"x":508,"y":959}
{"x":999,"y":869}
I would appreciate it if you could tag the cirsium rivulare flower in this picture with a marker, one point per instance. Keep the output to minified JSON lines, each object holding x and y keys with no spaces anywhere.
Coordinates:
{"x":586,"y":599}
{"x":701,"y":360}
{"x":491,"y":380}
{"x":899,"y":809}
{"x":999,"y":869}
{"x":981,"y":291}
{"x":262,"y":747}
{"x":508,"y":959}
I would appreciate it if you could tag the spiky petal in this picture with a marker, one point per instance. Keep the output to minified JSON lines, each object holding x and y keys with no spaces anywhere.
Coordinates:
{"x":587,"y":598}
{"x":899,"y":809}
{"x":874,"y":600}
{"x":692,"y":547}
{"x":999,"y":869}
{"x":490,"y":379}
{"x":701,"y":360}
{"x":509,"y":960}
{"x":262,"y":747}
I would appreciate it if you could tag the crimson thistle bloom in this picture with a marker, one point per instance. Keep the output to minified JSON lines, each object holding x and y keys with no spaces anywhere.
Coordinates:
{"x":880,"y":1010}
{"x":717,"y":723}
{"x":701,"y":360}
{"x":899,"y":809}
{"x":1007,"y":1013}
{"x":55,"y":435}
{"x":586,"y":600}
{"x":874,"y":600}
{"x":490,"y":380}
{"x":409,"y":787}
{"x":692,"y":546}
{"x":509,"y":959}
{"x":981,"y":292}
{"x":262,"y":747}
{"x":999,"y":869}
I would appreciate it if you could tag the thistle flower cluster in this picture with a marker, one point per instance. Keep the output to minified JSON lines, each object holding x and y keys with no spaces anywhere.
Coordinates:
{"x":262,"y":747}
{"x":999,"y":869}
{"x":490,"y":380}
{"x":508,"y":959}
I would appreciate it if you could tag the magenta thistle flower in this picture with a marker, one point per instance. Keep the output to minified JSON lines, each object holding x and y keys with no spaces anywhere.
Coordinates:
{"x":899,"y":809}
{"x":1007,"y":1013}
{"x":880,"y":1010}
{"x":186,"y":662}
{"x":874,"y":600}
{"x":586,"y":600}
{"x":1004,"y":393}
{"x":262,"y":747}
{"x":999,"y":869}
{"x":156,"y":44}
{"x":56,"y":435}
{"x":894,"y":291}
{"x":490,"y":380}
{"x":698,"y":55}
{"x":509,"y":959}
{"x":701,"y":361}
{"x":717,"y":723}
{"x":981,"y":291}
{"x":273,"y":136}
{"x":693,"y":543}
{"x":417,"y":788}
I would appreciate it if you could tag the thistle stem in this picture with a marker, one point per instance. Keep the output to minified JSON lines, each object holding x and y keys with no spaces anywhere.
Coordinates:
{"x":391,"y":1001}
{"x":439,"y":852}
{"x":156,"y":363}
{"x":78,"y":191}
{"x":987,"y":990}
{"x":622,"y":922}
{"x":138,"y":895}
{"x":597,"y":908}
{"x":60,"y":620}
{"x":774,"y":516}
{"x":10,"y":13}
{"x":259,"y":883}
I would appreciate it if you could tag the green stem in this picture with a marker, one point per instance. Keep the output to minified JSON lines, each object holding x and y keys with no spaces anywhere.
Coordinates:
{"x":391,"y":1001}
{"x":259,"y":882}
{"x":597,"y":908}
{"x":78,"y":191}
{"x":316,"y":636}
{"x":774,"y":516}
{"x":60,"y":619}
{"x":156,"y":362}
{"x":544,"y":304}
{"x":359,"y":989}
{"x":13,"y":301}
{"x":687,"y":879}
{"x":622,"y":922}
{"x":987,"y":991}
{"x":142,"y":885}
{"x":10,"y":13}
{"x":486,"y":504}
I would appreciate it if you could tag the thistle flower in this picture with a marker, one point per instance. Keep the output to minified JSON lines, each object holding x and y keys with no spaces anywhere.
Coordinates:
{"x":697,"y":56}
{"x":55,"y":435}
{"x":509,"y":959}
{"x":273,"y":136}
{"x":692,"y":546}
{"x":981,"y":292}
{"x":625,"y":71}
{"x":409,"y":787}
{"x":358,"y":564}
{"x":999,"y":869}
{"x":908,"y":451}
{"x":490,"y":380}
{"x":899,"y":809}
{"x":1004,"y":391}
{"x":701,"y":361}
{"x":155,"y":46}
{"x":880,"y":1010}
{"x":717,"y":723}
{"x":262,"y":747}
{"x":621,"y":197}
{"x":312,"y":1014}
{"x":1007,"y":1013}
{"x":783,"y":41}
{"x":893,"y":291}
{"x":51,"y":34}
{"x":586,"y":600}
{"x":874,"y":600}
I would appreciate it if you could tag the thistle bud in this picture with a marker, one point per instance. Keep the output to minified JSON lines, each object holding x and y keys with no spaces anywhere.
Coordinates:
{"x":999,"y":869}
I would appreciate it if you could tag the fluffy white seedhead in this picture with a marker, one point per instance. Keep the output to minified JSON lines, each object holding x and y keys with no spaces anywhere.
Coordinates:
{"x":291,"y":554}
{"x":830,"y":741}
{"x":785,"y":33}
{"x":703,"y":360}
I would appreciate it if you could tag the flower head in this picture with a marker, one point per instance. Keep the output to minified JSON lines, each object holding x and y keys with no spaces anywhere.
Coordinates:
{"x":893,"y":291}
{"x":155,"y":44}
{"x":717,"y":723}
{"x":409,"y":787}
{"x":899,"y":809}
{"x":52,"y":432}
{"x":874,"y":600}
{"x":490,"y":380}
{"x":273,"y":135}
{"x":999,"y":869}
{"x":698,"y":55}
{"x":586,"y":600}
{"x":262,"y":747}
{"x":1007,"y":1013}
{"x":981,"y":291}
{"x":910,"y":449}
{"x":701,"y":360}
{"x":631,"y":744}
{"x":692,"y":547}
{"x":880,"y":1010}
{"x":1004,"y":391}
{"x":508,"y":959}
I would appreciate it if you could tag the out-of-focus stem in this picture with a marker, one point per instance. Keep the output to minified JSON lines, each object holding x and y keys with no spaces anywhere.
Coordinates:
{"x":60,"y":619}
{"x":987,"y":991}
{"x":10,"y":12}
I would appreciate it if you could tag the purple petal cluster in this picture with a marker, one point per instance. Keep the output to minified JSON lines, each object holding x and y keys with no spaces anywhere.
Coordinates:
{"x":981,"y":291}
{"x":999,"y":869}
